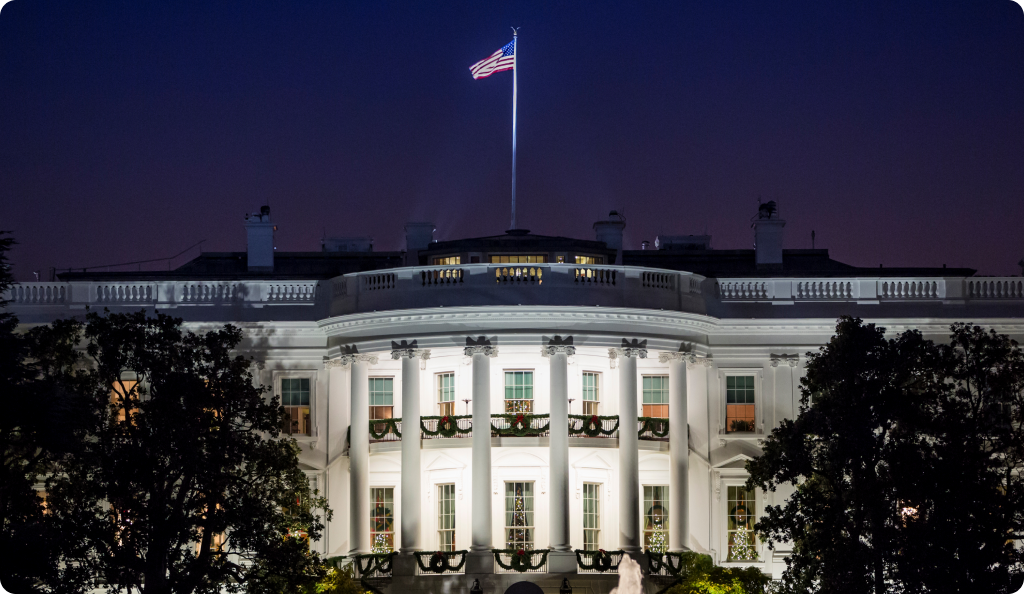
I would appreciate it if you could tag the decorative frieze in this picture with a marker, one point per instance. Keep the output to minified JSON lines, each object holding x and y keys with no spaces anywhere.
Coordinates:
{"x":791,"y":360}
{"x":406,"y":349}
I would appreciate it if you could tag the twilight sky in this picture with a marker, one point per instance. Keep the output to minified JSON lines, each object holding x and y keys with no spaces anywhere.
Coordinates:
{"x":131,"y":130}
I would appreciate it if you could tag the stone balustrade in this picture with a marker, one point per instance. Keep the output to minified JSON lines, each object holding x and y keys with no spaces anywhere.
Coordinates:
{"x":870,"y":290}
{"x":165,"y":295}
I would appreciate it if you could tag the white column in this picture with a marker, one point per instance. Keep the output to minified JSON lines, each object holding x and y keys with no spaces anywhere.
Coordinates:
{"x":629,"y":455}
{"x":678,"y":454}
{"x":411,"y":494}
{"x":359,"y":455}
{"x":481,"y":559}
{"x":562,"y":559}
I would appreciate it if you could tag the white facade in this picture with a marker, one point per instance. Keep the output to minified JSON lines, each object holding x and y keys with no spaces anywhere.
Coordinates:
{"x":480,"y":321}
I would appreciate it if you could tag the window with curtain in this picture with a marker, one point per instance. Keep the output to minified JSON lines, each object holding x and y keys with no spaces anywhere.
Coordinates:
{"x":739,"y":403}
{"x":656,"y":518}
{"x":382,"y":397}
{"x":295,"y":400}
{"x":519,"y":515}
{"x":518,"y":391}
{"x":742,"y":541}
{"x":656,"y":396}
{"x":446,"y":394}
{"x":446,"y":517}
{"x":382,"y":519}
{"x":591,"y":516}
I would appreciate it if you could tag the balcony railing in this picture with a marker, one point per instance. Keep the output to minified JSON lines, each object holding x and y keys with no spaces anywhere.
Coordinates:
{"x":441,"y":562}
{"x":518,"y":425}
{"x":599,"y":561}
{"x":521,"y":560}
{"x":373,"y":565}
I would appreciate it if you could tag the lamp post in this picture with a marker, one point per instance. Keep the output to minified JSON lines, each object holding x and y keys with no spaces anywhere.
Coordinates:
{"x":565,"y":588}
{"x":476,"y":589}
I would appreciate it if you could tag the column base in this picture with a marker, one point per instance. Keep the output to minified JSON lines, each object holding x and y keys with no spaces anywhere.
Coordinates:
{"x":403,"y":564}
{"x":480,"y":562}
{"x":562,"y":562}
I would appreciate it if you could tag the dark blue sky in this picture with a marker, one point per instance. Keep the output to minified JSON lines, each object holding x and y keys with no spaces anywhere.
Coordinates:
{"x":893,"y":129}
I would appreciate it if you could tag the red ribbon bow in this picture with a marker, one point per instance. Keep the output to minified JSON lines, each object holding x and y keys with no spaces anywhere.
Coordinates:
{"x":444,"y":419}
{"x":520,"y":552}
{"x":594,"y":419}
{"x":519,"y":418}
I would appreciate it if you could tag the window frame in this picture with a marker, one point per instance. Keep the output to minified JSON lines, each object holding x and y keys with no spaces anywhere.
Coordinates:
{"x":438,"y":391}
{"x":373,"y":517}
{"x":597,"y":392}
{"x":491,"y":258}
{"x":531,"y":528}
{"x":310,"y":374}
{"x":439,"y":519}
{"x":723,"y":409}
{"x":665,"y":503}
{"x":369,"y":390}
{"x":734,"y":478}
{"x":533,"y":391}
{"x":445,"y":260}
{"x":595,"y":260}
{"x":598,"y":503}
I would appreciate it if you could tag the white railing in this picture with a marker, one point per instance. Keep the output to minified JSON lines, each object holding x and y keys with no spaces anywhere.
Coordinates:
{"x":871,"y":290}
{"x":124,"y":292}
{"x":38,"y":293}
{"x":166,"y":294}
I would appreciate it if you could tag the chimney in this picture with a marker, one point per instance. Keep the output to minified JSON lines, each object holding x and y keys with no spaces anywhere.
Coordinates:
{"x":259,"y":233}
{"x":610,"y":232}
{"x":417,"y":237}
{"x":768,"y":237}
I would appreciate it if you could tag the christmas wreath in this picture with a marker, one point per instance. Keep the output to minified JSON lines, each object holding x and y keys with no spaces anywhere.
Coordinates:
{"x":386,"y":426}
{"x":375,"y":562}
{"x":447,"y":426}
{"x":656,"y":425}
{"x":519,"y":425}
{"x":521,"y":559}
{"x":440,"y":561}
{"x":600,"y":560}
{"x":591,"y":426}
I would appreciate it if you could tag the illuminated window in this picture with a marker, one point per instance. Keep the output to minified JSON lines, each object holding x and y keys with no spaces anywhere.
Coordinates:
{"x":591,"y":392}
{"x":519,"y":515}
{"x":123,"y":394}
{"x":382,"y":520}
{"x":295,"y":399}
{"x":446,"y":394}
{"x":656,"y":396}
{"x":656,"y":518}
{"x":216,"y":540}
{"x":589,"y":260}
{"x":518,"y":391}
{"x":382,"y":397}
{"x":591,"y":516}
{"x":520,"y":259}
{"x":446,"y":517}
{"x":742,"y":541}
{"x":448,"y":261}
{"x":739,"y":403}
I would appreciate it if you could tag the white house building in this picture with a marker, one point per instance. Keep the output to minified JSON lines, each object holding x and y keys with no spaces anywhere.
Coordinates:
{"x":619,"y":392}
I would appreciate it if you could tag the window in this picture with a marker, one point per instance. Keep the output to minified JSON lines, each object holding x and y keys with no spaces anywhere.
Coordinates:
{"x":446,"y":517}
{"x":656,"y":396}
{"x":217,"y":539}
{"x":518,"y":391}
{"x":742,"y":541}
{"x":656,"y":518}
{"x":520,"y":259}
{"x":382,"y":397}
{"x":519,"y":515}
{"x":739,"y":403}
{"x":448,"y":261}
{"x":591,"y":392}
{"x":382,"y":520}
{"x":589,"y":260}
{"x":591,"y":516}
{"x":446,"y":394}
{"x":295,"y":400}
{"x":122,"y":393}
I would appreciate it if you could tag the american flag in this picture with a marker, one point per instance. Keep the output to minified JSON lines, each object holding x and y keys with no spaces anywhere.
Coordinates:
{"x":503,"y":59}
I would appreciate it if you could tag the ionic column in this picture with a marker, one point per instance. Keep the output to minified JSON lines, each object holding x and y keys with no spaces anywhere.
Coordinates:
{"x":678,"y":453}
{"x":359,"y":454}
{"x":561,"y":559}
{"x":629,"y":453}
{"x":481,"y":559}
{"x":411,"y":495}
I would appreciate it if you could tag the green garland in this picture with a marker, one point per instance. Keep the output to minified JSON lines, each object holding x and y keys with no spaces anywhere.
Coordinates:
{"x":447,"y":426}
{"x":593,"y":425}
{"x":521,"y":559}
{"x":651,"y":424}
{"x":374,"y":562}
{"x":684,"y":563}
{"x":519,"y":425}
{"x":440,"y":561}
{"x":390,"y":426}
{"x":600,"y":560}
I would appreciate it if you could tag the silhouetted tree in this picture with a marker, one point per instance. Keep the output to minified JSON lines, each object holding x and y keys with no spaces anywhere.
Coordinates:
{"x":182,"y":483}
{"x":904,"y":455}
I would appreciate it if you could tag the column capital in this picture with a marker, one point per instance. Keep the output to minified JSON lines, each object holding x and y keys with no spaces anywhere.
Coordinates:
{"x":349,"y":358}
{"x":490,"y":351}
{"x":791,"y":360}
{"x":631,"y":348}
{"x":554,"y":349}
{"x":410,"y":350}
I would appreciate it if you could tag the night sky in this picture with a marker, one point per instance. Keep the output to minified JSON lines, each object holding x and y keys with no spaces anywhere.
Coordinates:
{"x":130,"y":130}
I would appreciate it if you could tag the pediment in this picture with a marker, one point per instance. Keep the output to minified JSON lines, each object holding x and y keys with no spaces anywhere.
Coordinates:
{"x":519,"y":460}
{"x":595,"y":460}
{"x":445,"y":462}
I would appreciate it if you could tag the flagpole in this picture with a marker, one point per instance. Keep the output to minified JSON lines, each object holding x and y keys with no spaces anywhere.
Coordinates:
{"x":515,"y":74}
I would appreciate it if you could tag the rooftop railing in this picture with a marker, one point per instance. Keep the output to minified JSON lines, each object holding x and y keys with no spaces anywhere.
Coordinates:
{"x":871,"y":290}
{"x":166,"y":294}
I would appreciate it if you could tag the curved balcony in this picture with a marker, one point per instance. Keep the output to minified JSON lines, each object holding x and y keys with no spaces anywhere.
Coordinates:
{"x":518,"y":425}
{"x":536,"y":284}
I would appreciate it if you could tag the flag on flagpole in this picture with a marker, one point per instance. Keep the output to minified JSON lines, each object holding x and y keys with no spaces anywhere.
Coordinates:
{"x":503,"y":59}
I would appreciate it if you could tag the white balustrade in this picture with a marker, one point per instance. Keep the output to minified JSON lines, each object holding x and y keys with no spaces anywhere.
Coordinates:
{"x":823,"y":289}
{"x":994,"y":288}
{"x":123,"y":293}
{"x":38,"y":293}
{"x":909,"y":288}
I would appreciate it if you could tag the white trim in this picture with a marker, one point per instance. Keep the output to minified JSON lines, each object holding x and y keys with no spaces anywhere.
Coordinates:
{"x":758,"y":373}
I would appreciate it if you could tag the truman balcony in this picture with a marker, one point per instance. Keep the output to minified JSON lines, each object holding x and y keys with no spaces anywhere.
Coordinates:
{"x":519,"y":284}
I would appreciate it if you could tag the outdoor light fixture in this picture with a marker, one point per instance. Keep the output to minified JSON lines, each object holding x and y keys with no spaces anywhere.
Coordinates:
{"x":565,"y":588}
{"x":476,"y":589}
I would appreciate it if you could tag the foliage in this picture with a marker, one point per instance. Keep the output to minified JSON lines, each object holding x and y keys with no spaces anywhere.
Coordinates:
{"x":180,"y":484}
{"x":441,"y":561}
{"x":518,"y":424}
{"x":447,"y":425}
{"x":700,"y":575}
{"x":381,"y":427}
{"x":373,"y":563}
{"x":338,"y":581}
{"x":599,"y":560}
{"x":903,"y":457}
